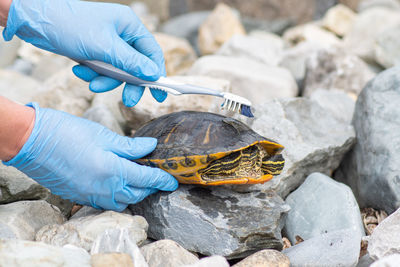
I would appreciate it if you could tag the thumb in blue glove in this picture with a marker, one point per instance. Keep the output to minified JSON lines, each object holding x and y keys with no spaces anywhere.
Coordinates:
{"x":85,"y":162}
{"x":91,"y":31}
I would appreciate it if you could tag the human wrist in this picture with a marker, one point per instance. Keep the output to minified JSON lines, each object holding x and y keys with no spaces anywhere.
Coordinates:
{"x":4,"y":8}
{"x":16,"y":124}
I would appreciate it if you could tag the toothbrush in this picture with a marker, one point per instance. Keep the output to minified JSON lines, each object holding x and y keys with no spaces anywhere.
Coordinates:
{"x":231,"y":102}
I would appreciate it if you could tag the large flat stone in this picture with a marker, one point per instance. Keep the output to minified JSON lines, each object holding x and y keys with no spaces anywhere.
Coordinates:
{"x":339,"y":248}
{"x":322,"y":205}
{"x":83,"y":231}
{"x":21,"y":220}
{"x":372,"y":167}
{"x":215,"y":221}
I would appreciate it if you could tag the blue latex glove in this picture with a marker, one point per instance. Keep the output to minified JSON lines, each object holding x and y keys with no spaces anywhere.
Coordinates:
{"x":87,"y":30}
{"x":83,"y":161}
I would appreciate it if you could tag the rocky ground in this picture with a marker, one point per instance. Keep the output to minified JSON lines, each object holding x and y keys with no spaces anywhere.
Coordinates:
{"x":327,"y":89}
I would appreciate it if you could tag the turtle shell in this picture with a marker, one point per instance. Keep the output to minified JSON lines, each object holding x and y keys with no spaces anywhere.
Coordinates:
{"x":190,"y":141}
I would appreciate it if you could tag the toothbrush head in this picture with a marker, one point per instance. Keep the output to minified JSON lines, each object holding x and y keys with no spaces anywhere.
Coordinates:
{"x":238,"y":104}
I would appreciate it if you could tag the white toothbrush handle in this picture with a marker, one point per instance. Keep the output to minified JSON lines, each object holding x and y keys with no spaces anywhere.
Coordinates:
{"x":165,"y":83}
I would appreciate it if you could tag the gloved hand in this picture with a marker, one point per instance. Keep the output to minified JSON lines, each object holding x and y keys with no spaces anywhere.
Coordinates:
{"x":88,"y":30}
{"x":83,"y":161}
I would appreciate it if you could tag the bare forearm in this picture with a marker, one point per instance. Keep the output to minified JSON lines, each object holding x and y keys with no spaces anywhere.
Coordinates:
{"x":16,"y":124}
{"x":4,"y":7}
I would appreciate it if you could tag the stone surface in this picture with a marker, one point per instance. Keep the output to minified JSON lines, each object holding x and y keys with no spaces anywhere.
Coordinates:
{"x":217,"y":217}
{"x":384,"y":240}
{"x":110,"y":100}
{"x":365,"y":261}
{"x":21,"y":220}
{"x":218,"y":28}
{"x":340,"y":104}
{"x":388,"y":261}
{"x":265,"y":258}
{"x":8,"y":50}
{"x":104,"y":116}
{"x":335,"y":69}
{"x":35,"y":254}
{"x":372,"y":167}
{"x":310,"y":32}
{"x":83,"y":231}
{"x":294,"y":59}
{"x":111,"y":259}
{"x":48,"y":65}
{"x":148,"y":109}
{"x":256,"y":81}
{"x":387,"y":49}
{"x":389,"y":4}
{"x":339,"y":19}
{"x":15,"y":186}
{"x":339,"y":248}
{"x":118,"y":241}
{"x":314,"y":140}
{"x":178,"y":53}
{"x":186,"y":26}
{"x":213,"y":261}
{"x":18,"y":87}
{"x":267,"y":49}
{"x":322,"y":205}
{"x":21,"y":66}
{"x":167,"y":253}
{"x":64,"y":91}
{"x":362,"y":36}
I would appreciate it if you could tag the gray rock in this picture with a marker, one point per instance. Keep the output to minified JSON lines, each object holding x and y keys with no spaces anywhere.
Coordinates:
{"x":21,"y":220}
{"x":388,"y":261}
{"x":86,"y":211}
{"x":294,"y":59}
{"x":83,"y":231}
{"x":314,"y":140}
{"x":50,"y":64}
{"x":267,"y":49}
{"x":222,"y":221}
{"x":340,"y":104}
{"x":256,"y":81}
{"x":335,"y":69}
{"x":389,"y":4}
{"x":22,"y":66}
{"x":8,"y":50}
{"x":361,"y":38}
{"x":365,"y":261}
{"x":213,"y":261}
{"x":167,"y":253}
{"x":265,"y":258}
{"x":384,"y":240}
{"x":322,"y":205}
{"x":339,"y":248}
{"x":387,"y":49}
{"x":111,"y":100}
{"x":310,"y":32}
{"x":64,"y":91}
{"x":18,"y":87}
{"x":118,"y":240}
{"x":372,"y":167}
{"x":104,"y":116}
{"x":35,"y":254}
{"x":276,"y":26}
{"x":15,"y":186}
{"x":186,"y":26}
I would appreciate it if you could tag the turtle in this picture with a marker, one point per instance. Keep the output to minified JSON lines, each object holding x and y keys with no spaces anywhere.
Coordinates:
{"x":210,"y":149}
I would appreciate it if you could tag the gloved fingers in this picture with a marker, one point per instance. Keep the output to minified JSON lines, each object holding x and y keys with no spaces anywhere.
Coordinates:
{"x":158,"y":95}
{"x":102,"y":84}
{"x":127,"y":58}
{"x":148,"y":177}
{"x":84,"y":73}
{"x":131,"y":148}
{"x":133,"y":195}
{"x":132,"y":94}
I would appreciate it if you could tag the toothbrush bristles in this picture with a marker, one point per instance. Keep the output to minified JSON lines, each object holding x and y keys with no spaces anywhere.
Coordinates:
{"x":232,"y":105}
